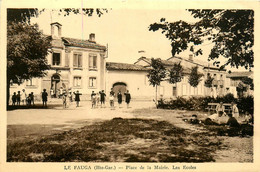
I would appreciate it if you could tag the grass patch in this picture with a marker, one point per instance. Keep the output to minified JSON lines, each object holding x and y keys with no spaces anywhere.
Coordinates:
{"x":117,"y":140}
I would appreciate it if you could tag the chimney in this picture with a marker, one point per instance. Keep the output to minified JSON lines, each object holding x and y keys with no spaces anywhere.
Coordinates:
{"x":92,"y":37}
{"x":56,"y":30}
{"x":142,"y":53}
{"x":191,"y":57}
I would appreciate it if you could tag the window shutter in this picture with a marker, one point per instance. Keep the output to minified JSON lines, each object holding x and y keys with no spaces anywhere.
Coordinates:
{"x":80,"y":60}
{"x":94,"y":61}
{"x":90,"y":61}
{"x":75,"y":60}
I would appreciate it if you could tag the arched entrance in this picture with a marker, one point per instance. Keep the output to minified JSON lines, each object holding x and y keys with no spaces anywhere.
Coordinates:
{"x":119,"y":86}
{"x":55,"y":83}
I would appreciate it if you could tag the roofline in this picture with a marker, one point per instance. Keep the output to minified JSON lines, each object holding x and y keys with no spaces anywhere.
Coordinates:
{"x":214,"y":68}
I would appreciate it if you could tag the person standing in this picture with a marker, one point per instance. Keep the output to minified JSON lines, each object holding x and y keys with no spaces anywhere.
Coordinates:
{"x":93,"y":99}
{"x":14,"y":97}
{"x":112,"y":92}
{"x":60,"y":92}
{"x":52,"y":93}
{"x":23,"y":96}
{"x":77,"y":98}
{"x":44,"y":98}
{"x":111,"y":100}
{"x":119,"y":99}
{"x":64,"y":100}
{"x":220,"y":109}
{"x":97,"y":99}
{"x":29,"y":101}
{"x":32,"y":98}
{"x":235,"y":111}
{"x":127,"y":98}
{"x":18,"y":98}
{"x":102,"y":97}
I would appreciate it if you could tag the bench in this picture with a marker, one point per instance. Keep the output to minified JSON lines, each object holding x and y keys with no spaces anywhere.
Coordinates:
{"x":212,"y":107}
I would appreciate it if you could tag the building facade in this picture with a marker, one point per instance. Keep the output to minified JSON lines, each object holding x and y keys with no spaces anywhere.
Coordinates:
{"x":77,"y":64}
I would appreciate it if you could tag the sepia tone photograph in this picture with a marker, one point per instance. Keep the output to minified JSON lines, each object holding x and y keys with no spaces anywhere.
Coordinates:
{"x":123,"y":85}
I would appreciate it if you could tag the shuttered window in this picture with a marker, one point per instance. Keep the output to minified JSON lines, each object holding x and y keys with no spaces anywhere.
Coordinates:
{"x":92,"y":61}
{"x":77,"y":60}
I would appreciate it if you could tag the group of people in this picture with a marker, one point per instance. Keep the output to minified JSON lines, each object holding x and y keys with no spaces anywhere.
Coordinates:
{"x":26,"y":99}
{"x":220,"y":117}
{"x":100,"y":97}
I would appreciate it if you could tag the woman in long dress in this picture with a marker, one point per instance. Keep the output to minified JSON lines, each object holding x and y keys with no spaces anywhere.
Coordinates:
{"x":235,"y":111}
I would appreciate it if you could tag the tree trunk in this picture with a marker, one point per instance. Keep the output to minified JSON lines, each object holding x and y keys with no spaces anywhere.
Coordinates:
{"x":156,"y":102}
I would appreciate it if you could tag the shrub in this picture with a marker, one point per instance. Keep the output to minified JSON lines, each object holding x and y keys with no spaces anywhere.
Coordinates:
{"x":201,"y":103}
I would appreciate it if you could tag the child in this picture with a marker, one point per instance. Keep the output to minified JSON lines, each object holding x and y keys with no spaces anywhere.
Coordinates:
{"x":102,"y":97}
{"x":64,"y":100}
{"x":14,"y":99}
{"x":93,"y":99}
{"x":119,"y":98}
{"x":77,"y":98}
{"x":127,"y":98}
{"x":111,"y":99}
{"x":32,"y":98}
{"x":44,"y":98}
{"x":18,"y":98}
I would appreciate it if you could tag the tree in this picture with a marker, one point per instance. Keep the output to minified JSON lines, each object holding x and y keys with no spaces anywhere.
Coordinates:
{"x":248,"y":81}
{"x":230,"y":31}
{"x":27,"y":49}
{"x":209,"y":81}
{"x":156,"y":74}
{"x":194,"y":77}
{"x":176,"y":73}
{"x":25,"y":14}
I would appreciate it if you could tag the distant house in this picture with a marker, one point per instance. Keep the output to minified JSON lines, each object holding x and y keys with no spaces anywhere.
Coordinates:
{"x":235,"y":80}
{"x":134,"y":78}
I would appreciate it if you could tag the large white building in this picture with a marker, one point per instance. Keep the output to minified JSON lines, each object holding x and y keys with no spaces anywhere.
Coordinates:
{"x":81,"y":65}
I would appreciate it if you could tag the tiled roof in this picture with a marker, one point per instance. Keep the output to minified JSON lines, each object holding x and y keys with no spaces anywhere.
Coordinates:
{"x":164,"y":62}
{"x":239,"y":74}
{"x":125,"y":66}
{"x":82,"y":43}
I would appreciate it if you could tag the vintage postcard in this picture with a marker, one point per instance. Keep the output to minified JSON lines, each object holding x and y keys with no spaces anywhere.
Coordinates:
{"x":129,"y":86}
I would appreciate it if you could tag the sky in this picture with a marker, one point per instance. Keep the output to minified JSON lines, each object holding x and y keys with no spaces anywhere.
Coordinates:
{"x":124,"y":31}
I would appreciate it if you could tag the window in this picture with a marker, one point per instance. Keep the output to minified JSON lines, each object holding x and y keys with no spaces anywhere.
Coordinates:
{"x":77,"y":60}
{"x":56,"y":59}
{"x":174,"y":91}
{"x":77,"y":81}
{"x":92,"y":61}
{"x":30,"y":82}
{"x":92,"y":82}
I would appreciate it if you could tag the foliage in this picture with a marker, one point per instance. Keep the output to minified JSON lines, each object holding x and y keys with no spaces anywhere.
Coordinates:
{"x":25,"y":14}
{"x":201,"y":103}
{"x":22,"y":14}
{"x":230,"y":31}
{"x":248,"y":81}
{"x":176,"y":73}
{"x":27,"y":48}
{"x":194,"y":77}
{"x":157,"y":72}
{"x":209,"y":81}
{"x":246,"y":104}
